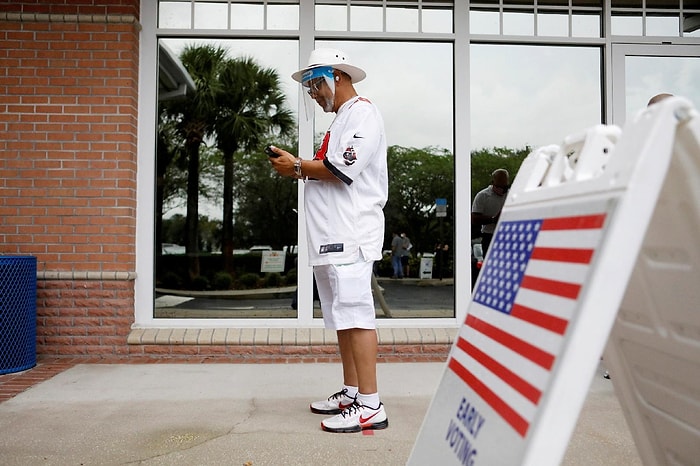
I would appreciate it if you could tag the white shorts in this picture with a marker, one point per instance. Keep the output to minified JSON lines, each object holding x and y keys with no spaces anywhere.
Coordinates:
{"x":345,"y":292}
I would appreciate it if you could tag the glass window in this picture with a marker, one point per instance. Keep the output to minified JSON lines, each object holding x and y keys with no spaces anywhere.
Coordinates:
{"x":626,"y":25}
{"x":174,"y":15}
{"x":331,"y":17}
{"x":484,"y":22}
{"x":629,"y":4}
{"x":691,"y":20}
{"x":517,"y":23}
{"x":210,"y":15}
{"x":552,"y":24}
{"x":663,"y":25}
{"x":526,"y":96}
{"x":554,"y":18}
{"x":283,"y":17}
{"x":437,"y":20}
{"x":247,"y":16}
{"x":523,"y":97}
{"x":425,"y":78}
{"x":410,"y":16}
{"x":402,"y":20}
{"x":366,"y":18}
{"x":648,"y":76}
{"x":586,"y":25}
{"x":211,"y":168}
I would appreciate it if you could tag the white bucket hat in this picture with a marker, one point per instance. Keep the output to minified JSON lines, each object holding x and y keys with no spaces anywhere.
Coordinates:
{"x":333,"y":58}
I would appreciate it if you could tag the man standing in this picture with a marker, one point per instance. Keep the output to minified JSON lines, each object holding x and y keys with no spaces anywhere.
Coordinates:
{"x":487,"y":206}
{"x":344,"y":194}
{"x":396,"y":255}
{"x":405,"y":254}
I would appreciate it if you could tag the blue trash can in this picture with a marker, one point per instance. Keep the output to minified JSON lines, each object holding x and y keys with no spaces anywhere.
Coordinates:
{"x":17,"y":313}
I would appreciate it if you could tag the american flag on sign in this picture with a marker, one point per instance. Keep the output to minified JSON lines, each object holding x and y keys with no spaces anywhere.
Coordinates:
{"x":527,"y":293}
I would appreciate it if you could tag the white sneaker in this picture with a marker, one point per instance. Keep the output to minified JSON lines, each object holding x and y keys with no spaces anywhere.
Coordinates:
{"x":335,"y":403}
{"x":357,"y":418}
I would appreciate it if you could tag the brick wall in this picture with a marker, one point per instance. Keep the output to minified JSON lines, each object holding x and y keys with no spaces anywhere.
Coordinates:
{"x":68,"y":115}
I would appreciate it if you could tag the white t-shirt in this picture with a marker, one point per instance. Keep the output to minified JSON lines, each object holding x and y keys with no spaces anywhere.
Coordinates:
{"x":488,"y":203}
{"x":345,"y":220}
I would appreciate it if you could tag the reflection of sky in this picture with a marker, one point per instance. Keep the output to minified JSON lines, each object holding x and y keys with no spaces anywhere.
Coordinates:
{"x":519,"y":95}
{"x":648,"y":76}
{"x":414,"y":95}
{"x":277,"y":54}
{"x":532,"y":95}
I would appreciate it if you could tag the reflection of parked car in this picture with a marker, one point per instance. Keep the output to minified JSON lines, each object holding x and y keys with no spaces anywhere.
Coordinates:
{"x":293,"y":250}
{"x":170,"y":248}
{"x":477,"y":259}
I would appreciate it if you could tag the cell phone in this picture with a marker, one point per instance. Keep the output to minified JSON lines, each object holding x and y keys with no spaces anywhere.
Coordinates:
{"x":270,"y":153}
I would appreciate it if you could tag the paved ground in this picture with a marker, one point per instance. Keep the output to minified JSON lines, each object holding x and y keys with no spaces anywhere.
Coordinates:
{"x":244,"y":414}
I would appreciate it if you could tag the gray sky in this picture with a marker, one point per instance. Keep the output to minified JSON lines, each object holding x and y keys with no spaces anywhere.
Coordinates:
{"x":648,"y":76}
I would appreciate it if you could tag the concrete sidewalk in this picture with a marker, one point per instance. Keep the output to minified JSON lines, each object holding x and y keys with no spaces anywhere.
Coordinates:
{"x":245,"y":414}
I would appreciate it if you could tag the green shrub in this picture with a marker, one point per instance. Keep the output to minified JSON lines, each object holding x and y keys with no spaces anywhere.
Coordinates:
{"x":223,"y":281}
{"x":249,"y":280}
{"x":272,"y":280}
{"x":172,"y":281}
{"x":383,"y":268}
{"x":291,"y":277}
{"x":200,"y":283}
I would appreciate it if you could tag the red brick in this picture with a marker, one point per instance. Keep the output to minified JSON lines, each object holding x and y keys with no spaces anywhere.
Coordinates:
{"x":215,"y":349}
{"x":240,"y":350}
{"x":184,"y":349}
{"x":156,"y":349}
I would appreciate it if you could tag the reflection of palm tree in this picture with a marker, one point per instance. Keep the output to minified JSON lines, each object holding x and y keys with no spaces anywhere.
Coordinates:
{"x":197,"y":116}
{"x":237,"y":103}
{"x":250,"y":107}
{"x":168,"y":151}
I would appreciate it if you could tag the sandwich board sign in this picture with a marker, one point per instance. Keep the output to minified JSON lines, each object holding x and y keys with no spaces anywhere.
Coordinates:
{"x":582,"y":225}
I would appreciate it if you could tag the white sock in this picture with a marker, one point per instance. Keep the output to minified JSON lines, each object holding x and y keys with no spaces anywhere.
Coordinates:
{"x":371,"y":400}
{"x":351,"y":391}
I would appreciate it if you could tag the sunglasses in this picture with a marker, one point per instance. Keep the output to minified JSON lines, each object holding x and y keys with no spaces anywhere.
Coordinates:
{"x":315,"y":85}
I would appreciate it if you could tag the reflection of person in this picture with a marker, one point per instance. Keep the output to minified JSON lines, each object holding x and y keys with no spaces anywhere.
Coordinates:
{"x":441,"y":257}
{"x":405,"y":253}
{"x":344,"y":196}
{"x":487,"y":206}
{"x":396,"y":255}
{"x":658,"y":98}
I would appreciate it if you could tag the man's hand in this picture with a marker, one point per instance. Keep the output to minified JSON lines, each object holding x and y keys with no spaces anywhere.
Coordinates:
{"x":284,"y":164}
{"x":312,"y":169}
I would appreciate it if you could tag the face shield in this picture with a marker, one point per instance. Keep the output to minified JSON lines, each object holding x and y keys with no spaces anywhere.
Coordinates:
{"x":319,"y":89}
